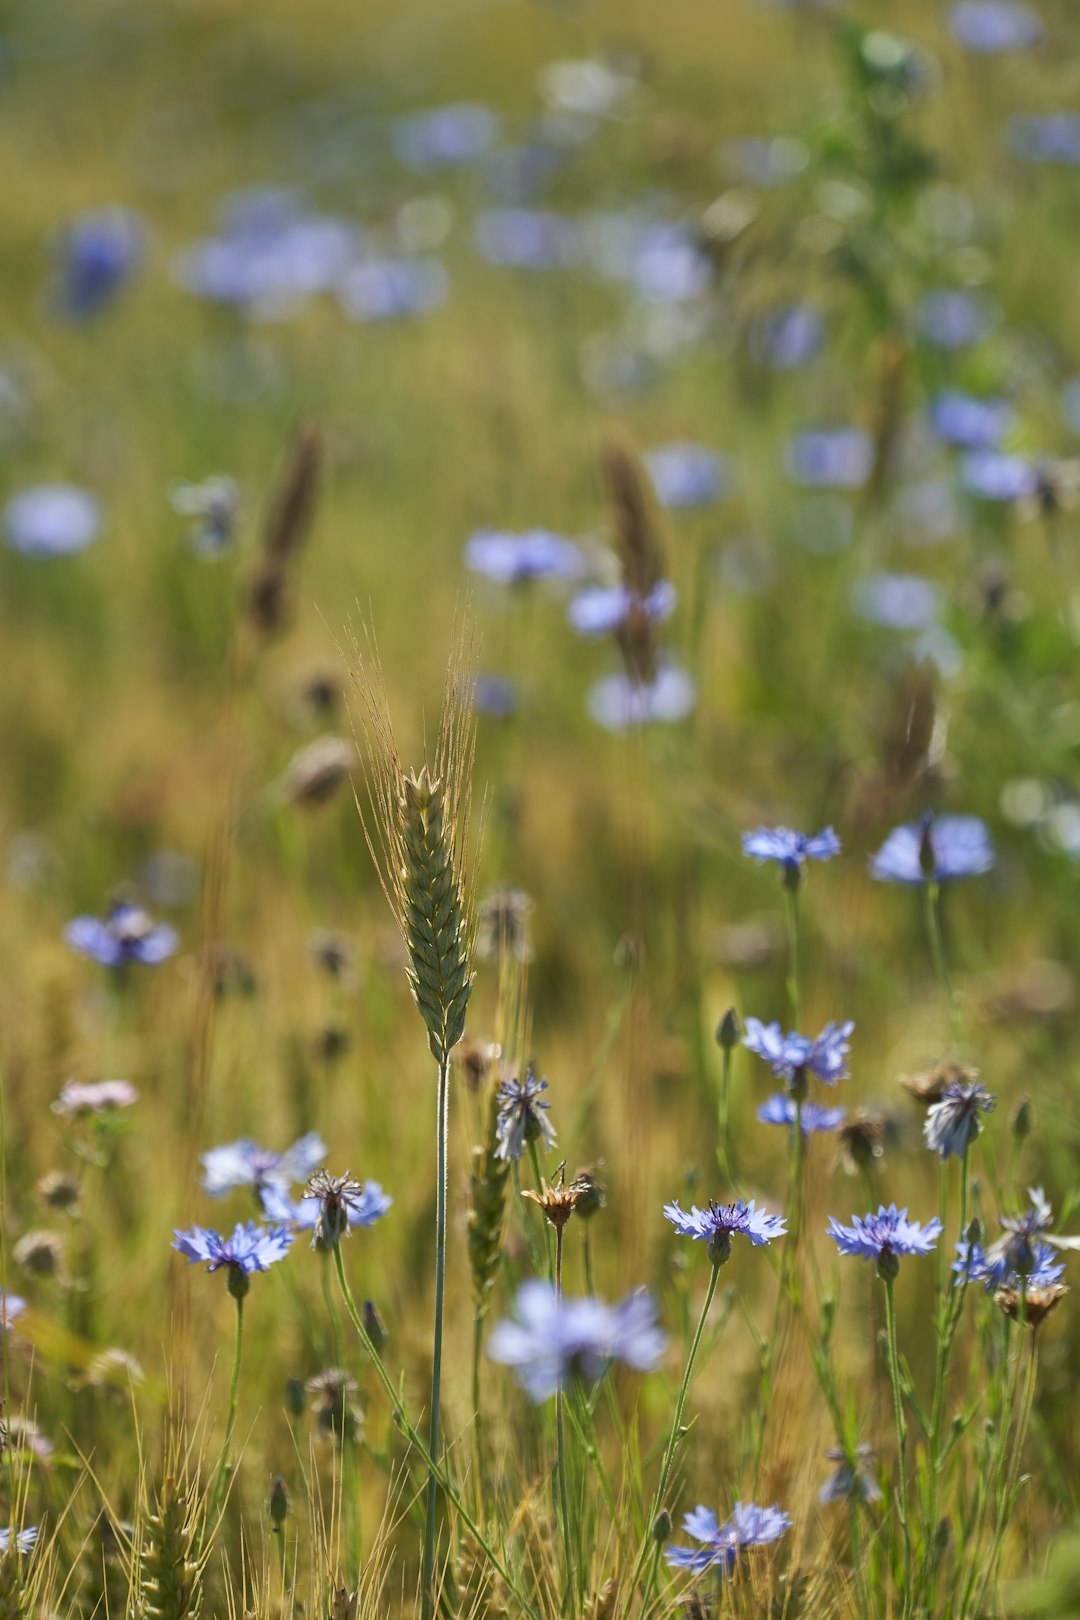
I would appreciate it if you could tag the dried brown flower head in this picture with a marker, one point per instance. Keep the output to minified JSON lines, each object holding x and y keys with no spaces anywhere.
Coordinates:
{"x":1037,"y":1306}
{"x":40,"y":1253}
{"x":59,"y":1190}
{"x":929,"y":1086}
{"x":475,"y":1059}
{"x":559,"y":1202}
{"x":315,"y":772}
{"x":862,"y":1140}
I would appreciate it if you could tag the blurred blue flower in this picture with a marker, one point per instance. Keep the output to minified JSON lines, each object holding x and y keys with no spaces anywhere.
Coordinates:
{"x":995,"y":475}
{"x":749,"y":1526}
{"x":786,"y":339}
{"x":11,"y":1308}
{"x":781,"y":1110}
{"x":599,"y":610}
{"x":270,"y":256}
{"x":523,"y":1116}
{"x":495,"y":695}
{"x":953,"y":1123}
{"x":718,"y":1223}
{"x":793,"y":1055}
{"x":968,"y":423}
{"x":953,"y":319}
{"x":940,"y":847}
{"x":790,"y":849}
{"x":667,"y":266}
{"x":554,"y":1340}
{"x":24,"y":1539}
{"x":1047,"y":138}
{"x":126,"y":935}
{"x":619,"y":703}
{"x":515,"y":559}
{"x":1027,"y":1236}
{"x":1070,"y":404}
{"x":992,"y":1267}
{"x":96,"y":254}
{"x":897,"y":601}
{"x":528,"y":239}
{"x":52,"y":520}
{"x":993,"y":26}
{"x":446,"y":136}
{"x":839,"y":458}
{"x":214,"y":505}
{"x":331,"y":1206}
{"x":851,"y":1480}
{"x":389,"y":289}
{"x":251,"y":1248}
{"x":763,"y":160}
{"x":244,"y":1164}
{"x":686,"y":474}
{"x":888,"y":1235}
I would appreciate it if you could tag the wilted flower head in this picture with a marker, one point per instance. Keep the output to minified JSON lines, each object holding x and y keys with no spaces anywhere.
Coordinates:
{"x":52,"y":520}
{"x":953,"y":1123}
{"x":852,"y":1479}
{"x":504,"y":926}
{"x":251,"y":1248}
{"x":790,"y":850}
{"x":721,"y":1545}
{"x":333,"y":952}
{"x":40,"y":1254}
{"x":560,"y":1201}
{"x":783,"y":1110}
{"x":556,"y":1339}
{"x":862,"y":1139}
{"x":937,"y":848}
{"x":59,"y":1190}
{"x":475,"y":1059}
{"x":1032,"y":1304}
{"x":317,"y":770}
{"x":884,"y":1238}
{"x":792,"y":1057}
{"x":930,"y":1086}
{"x":85,"y":1097}
{"x":127,"y":934}
{"x":335,"y":1404}
{"x":331,"y":1206}
{"x":715,"y":1225}
{"x":24,"y":1539}
{"x":244,"y":1164}
{"x":523,"y":1116}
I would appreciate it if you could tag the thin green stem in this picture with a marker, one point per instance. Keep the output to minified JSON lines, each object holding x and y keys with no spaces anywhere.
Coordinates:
{"x":794,"y":983}
{"x":723,"y":1151}
{"x":901,"y":1439}
{"x":931,"y":904}
{"x":427,"y":1584}
{"x":331,"y":1308}
{"x":560,"y":1440}
{"x":478,"y":1430}
{"x":534,"y":1160}
{"x":952,"y":1307}
{"x":230,"y":1421}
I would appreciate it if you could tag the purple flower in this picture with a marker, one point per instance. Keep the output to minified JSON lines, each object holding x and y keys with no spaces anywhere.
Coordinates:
{"x":954,"y":319}
{"x":96,"y":254}
{"x":388,"y":289}
{"x":839,"y":458}
{"x":251,"y":1248}
{"x":686,"y":475}
{"x":715,"y":1225}
{"x":953,"y":1123}
{"x":24,"y":1539}
{"x":528,"y":239}
{"x":851,"y":1480}
{"x":126,"y":935}
{"x":668,"y":267}
{"x":1024,"y":1248}
{"x":787,"y":339}
{"x":329,"y":1209}
{"x":516,"y":559}
{"x":243,"y":1164}
{"x":523,"y":1116}
{"x":794,"y":1056}
{"x":599,"y":610}
{"x":11,"y":1308}
{"x":967,"y":423}
{"x":994,"y":26}
{"x":995,"y":475}
{"x":790,"y":849}
{"x":897,"y":601}
{"x":619,"y":703}
{"x":721,"y":1545}
{"x":781,"y":1110}
{"x":52,"y":520}
{"x":445,"y":137}
{"x":884,"y":1238}
{"x":94,"y":1097}
{"x":270,"y":256}
{"x":1047,"y":138}
{"x":554,"y":1340}
{"x":993,"y":1268}
{"x":495,"y":695}
{"x":937,"y":847}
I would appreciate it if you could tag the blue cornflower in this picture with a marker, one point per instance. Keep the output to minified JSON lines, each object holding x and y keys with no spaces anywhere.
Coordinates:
{"x":600,"y":610}
{"x":52,"y":520}
{"x":938,"y":848}
{"x":994,"y":26}
{"x":244,"y":1164}
{"x":884,"y":1238}
{"x":749,"y":1526}
{"x":446,"y":136}
{"x":715,"y":1225}
{"x":515,"y":559}
{"x":621,"y":703}
{"x":329,"y":1209}
{"x":24,"y":1539}
{"x":851,"y":1480}
{"x":270,"y":256}
{"x":389,"y":289}
{"x":953,"y":1123}
{"x":667,"y":266}
{"x":995,"y":475}
{"x":968,"y":423}
{"x":528,"y":239}
{"x":1047,"y":138}
{"x":838,"y":458}
{"x":953,"y":319}
{"x":792,"y":1057}
{"x":523,"y":1116}
{"x":685,"y":475}
{"x":993,"y":1269}
{"x":1023,"y":1249}
{"x":555,"y":1339}
{"x":213,"y":504}
{"x":126,"y":935}
{"x":782,"y":1110}
{"x":786,"y":339}
{"x":495,"y":695}
{"x":251,"y":1248}
{"x":11,"y":1308}
{"x":96,"y":255}
{"x":790,"y":849}
{"x":897,"y":601}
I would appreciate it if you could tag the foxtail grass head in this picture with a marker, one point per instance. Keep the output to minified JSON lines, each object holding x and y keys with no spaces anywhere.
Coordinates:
{"x":416,"y":823}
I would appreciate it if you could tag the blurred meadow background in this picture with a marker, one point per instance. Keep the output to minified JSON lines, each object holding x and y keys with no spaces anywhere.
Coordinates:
{"x":762,"y":319}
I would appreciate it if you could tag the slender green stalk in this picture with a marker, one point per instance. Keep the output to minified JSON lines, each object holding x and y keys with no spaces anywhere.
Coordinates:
{"x":723,"y":1151}
{"x":331,"y":1308}
{"x":901,"y":1440}
{"x":931,"y":904}
{"x":794,"y":983}
{"x":590,"y":1287}
{"x":413,"y":1435}
{"x":230,"y":1422}
{"x":428,"y":1572}
{"x":669,"y":1453}
{"x":9,"y":1450}
{"x":534,"y":1160}
{"x":560,"y":1442}
{"x":478,"y":1429}
{"x":1012,"y":1456}
{"x":952,"y":1308}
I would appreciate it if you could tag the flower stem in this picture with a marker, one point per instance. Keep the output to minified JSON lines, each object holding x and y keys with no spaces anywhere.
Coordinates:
{"x":901,"y":1439}
{"x":560,"y":1442}
{"x":230,"y":1421}
{"x":723,"y":1152}
{"x":931,"y":901}
{"x":953,"y":1306}
{"x":428,"y":1572}
{"x":794,"y":983}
